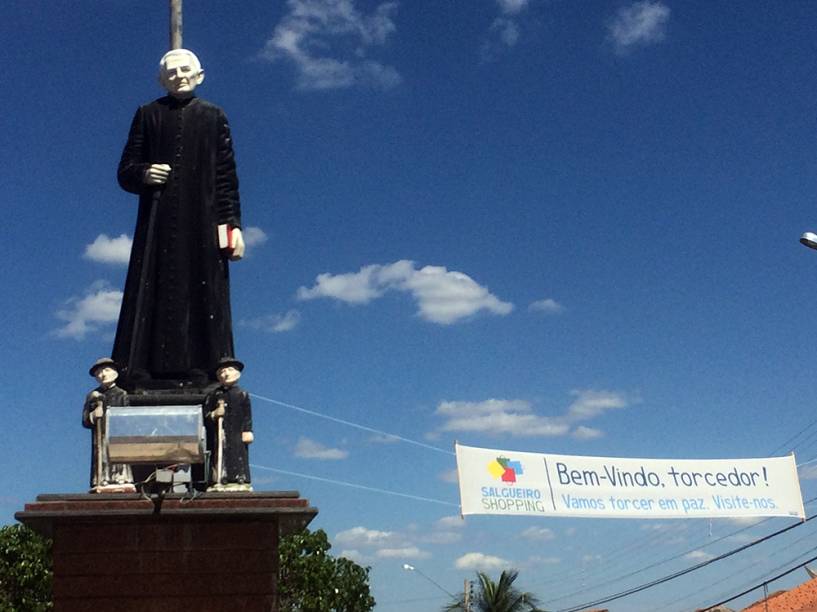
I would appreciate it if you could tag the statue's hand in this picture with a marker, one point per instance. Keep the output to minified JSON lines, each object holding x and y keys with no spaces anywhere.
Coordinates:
{"x":247,"y":437}
{"x":97,"y":413}
{"x":157,"y":174}
{"x":218,"y":412}
{"x":237,"y":245}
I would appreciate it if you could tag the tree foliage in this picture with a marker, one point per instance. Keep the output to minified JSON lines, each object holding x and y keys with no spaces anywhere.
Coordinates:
{"x":500,"y":596}
{"x":314,"y":581}
{"x":311,"y":580}
{"x":25,"y":570}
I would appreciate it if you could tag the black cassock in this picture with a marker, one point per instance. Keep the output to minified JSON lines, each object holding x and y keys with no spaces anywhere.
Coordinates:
{"x":237,"y":419}
{"x":113,"y":396}
{"x":175,"y":320}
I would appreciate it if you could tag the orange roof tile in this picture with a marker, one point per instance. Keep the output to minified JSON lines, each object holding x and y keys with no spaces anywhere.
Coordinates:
{"x":799,"y":599}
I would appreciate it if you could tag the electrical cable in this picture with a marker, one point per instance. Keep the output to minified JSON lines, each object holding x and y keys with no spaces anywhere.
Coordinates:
{"x":353,"y":485}
{"x":658,"y":563}
{"x":791,"y":439}
{"x":351,"y":424}
{"x":767,"y":581}
{"x":742,"y":570}
{"x":697,"y":566}
{"x":782,"y":565}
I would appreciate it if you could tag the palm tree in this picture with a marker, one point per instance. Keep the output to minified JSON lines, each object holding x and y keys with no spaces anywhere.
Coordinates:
{"x":499,"y":596}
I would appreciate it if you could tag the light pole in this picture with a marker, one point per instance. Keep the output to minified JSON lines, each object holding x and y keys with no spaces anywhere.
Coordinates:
{"x":809,"y":239}
{"x":411,"y":568}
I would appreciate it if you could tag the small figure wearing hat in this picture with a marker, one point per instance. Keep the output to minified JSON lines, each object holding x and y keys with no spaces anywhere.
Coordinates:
{"x":228,"y":418}
{"x":105,"y":477}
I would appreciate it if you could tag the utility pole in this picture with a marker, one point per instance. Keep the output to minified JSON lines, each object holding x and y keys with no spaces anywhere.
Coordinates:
{"x":175,"y":24}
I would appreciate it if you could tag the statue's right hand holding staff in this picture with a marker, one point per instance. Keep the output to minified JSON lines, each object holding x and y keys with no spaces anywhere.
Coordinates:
{"x":98,"y":411}
{"x":157,"y":174}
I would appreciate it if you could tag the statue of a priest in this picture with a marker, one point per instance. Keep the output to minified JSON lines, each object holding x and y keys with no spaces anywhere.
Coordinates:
{"x":175,"y":321}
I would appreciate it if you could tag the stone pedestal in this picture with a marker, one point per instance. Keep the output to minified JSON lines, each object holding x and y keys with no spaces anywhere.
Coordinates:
{"x":216,"y":552}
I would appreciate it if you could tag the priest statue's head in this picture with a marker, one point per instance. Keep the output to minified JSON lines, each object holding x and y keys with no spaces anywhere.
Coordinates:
{"x":180,"y":72}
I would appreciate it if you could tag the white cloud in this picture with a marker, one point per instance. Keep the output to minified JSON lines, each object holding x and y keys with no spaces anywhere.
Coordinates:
{"x":582,"y":432}
{"x":372,"y":543}
{"x":353,"y":287}
{"x":639,"y":24}
{"x":109,"y":250}
{"x":507,"y":30}
{"x":539,"y":560}
{"x":443,"y":297}
{"x":307,"y":448}
{"x":446,"y":530}
{"x":590,"y":404}
{"x":274,"y":323}
{"x":83,"y":315}
{"x":537,"y":534}
{"x":546,"y":306}
{"x":253,"y":236}
{"x":699,"y":555}
{"x":360,"y":537}
{"x":446,"y":297}
{"x":442,"y":537}
{"x":516,"y":417}
{"x":512,"y":7}
{"x":497,"y":416}
{"x":328,"y":42}
{"x":353,"y":555}
{"x":480,"y":561}
{"x":406,"y":552}
{"x":808,"y":472}
{"x":447,"y":522}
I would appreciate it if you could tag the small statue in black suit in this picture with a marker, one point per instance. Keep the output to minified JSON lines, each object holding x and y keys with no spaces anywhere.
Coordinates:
{"x":106,"y":477}
{"x":228,"y":419}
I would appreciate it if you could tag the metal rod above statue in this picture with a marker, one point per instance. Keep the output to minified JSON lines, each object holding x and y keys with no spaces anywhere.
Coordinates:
{"x":175,"y":24}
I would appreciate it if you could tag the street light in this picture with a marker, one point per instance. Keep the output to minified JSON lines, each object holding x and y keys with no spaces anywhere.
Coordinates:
{"x":809,"y":239}
{"x":411,"y":568}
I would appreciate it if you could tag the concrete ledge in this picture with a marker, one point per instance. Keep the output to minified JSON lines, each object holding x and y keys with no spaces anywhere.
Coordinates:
{"x":286,"y":508}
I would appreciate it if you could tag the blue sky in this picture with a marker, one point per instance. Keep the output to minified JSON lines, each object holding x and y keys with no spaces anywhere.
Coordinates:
{"x":576,"y":219}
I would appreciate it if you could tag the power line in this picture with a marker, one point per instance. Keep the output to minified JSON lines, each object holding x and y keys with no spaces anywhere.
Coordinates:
{"x":794,"y":437}
{"x":657,"y":563}
{"x":762,"y":574}
{"x":353,"y":485}
{"x":757,"y":586}
{"x":673,"y":576}
{"x":646,"y":542}
{"x":741,"y":570}
{"x":351,"y":424}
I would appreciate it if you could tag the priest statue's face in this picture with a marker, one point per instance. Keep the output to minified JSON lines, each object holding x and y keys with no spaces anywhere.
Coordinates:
{"x":228,"y":375}
{"x":106,"y":376}
{"x":180,"y":72}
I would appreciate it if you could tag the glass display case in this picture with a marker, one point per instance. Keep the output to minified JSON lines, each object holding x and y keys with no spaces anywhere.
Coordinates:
{"x":155,"y":434}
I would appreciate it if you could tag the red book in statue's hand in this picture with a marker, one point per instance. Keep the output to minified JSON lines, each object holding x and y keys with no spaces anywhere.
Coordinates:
{"x":225,"y":237}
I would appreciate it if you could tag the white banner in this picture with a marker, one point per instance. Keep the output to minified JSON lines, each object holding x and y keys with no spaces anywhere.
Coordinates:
{"x":535,"y":484}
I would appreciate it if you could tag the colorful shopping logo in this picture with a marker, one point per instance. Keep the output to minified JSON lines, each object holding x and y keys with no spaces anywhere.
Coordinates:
{"x":504,"y":469}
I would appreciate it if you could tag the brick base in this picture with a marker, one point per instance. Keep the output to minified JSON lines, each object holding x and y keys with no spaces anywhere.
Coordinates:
{"x":217,"y":552}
